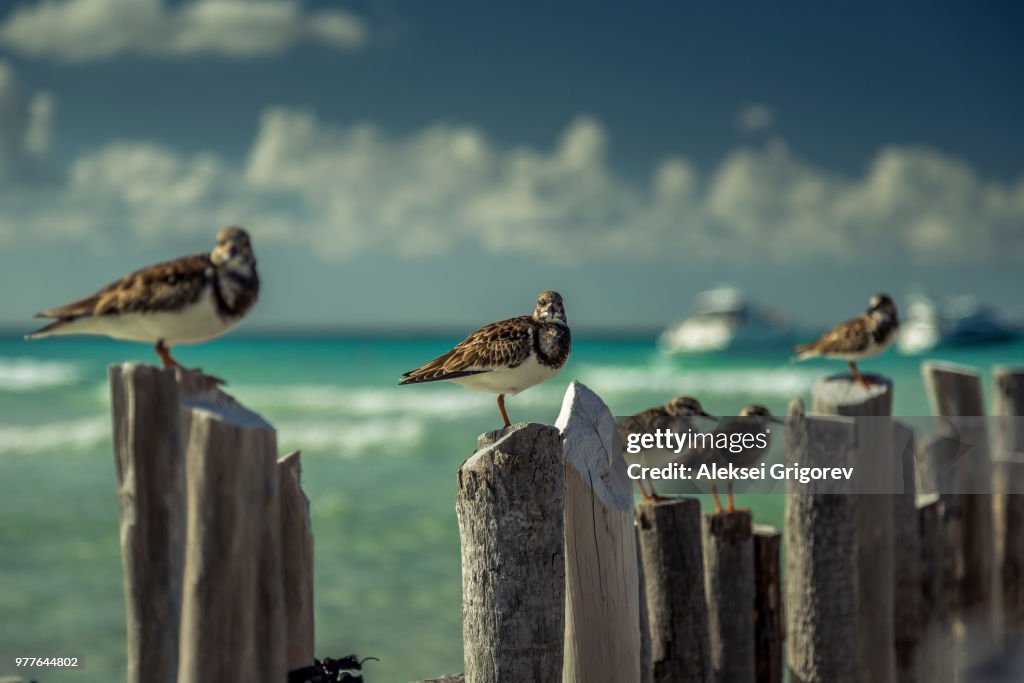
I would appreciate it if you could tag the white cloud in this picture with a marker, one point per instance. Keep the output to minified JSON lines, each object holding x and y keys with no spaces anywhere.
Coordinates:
{"x":754,"y":118}
{"x":25,"y":119}
{"x":86,"y":30}
{"x":344,"y":190}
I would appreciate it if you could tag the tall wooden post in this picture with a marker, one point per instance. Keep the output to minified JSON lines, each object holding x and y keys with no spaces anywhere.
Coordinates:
{"x":955,"y":393}
{"x":875,"y":474}
{"x":907,"y":558}
{"x":510,"y":504}
{"x":297,"y":565}
{"x":769,"y":625}
{"x":602,"y":596}
{"x":935,"y":661}
{"x":729,"y":585}
{"x":233,"y":613}
{"x":150,"y":465}
{"x":673,"y":566}
{"x":821,"y":555}
{"x":1008,"y":407}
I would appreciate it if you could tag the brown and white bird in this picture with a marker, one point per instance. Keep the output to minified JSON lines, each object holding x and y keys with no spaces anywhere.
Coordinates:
{"x":753,"y":419}
{"x":680,"y":408}
{"x":506,"y":357}
{"x":865,"y":336}
{"x":185,"y":301}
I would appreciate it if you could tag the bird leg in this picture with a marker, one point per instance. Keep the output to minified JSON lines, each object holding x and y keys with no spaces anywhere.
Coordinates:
{"x":731,"y":500}
{"x":714,"y":496}
{"x":165,"y":355}
{"x":861,"y":380}
{"x":501,"y":407}
{"x":651,"y":497}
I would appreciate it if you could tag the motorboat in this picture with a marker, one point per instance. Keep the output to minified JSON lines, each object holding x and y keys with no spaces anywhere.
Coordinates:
{"x":722,"y":319}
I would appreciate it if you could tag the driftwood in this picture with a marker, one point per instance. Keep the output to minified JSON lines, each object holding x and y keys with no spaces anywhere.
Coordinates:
{"x":821,"y":556}
{"x":510,"y":503}
{"x":769,"y":620}
{"x":729,"y":585}
{"x":875,"y":474}
{"x":602,"y":597}
{"x":673,"y":567}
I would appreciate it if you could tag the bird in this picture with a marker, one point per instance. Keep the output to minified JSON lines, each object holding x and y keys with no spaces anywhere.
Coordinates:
{"x":506,"y":357}
{"x":865,"y":336}
{"x":188,"y":300}
{"x":752,"y":420}
{"x":646,"y":421}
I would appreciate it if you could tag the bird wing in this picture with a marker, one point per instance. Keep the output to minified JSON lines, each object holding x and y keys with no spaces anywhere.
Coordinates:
{"x":850,"y":335}
{"x":504,"y":344}
{"x":161,"y":287}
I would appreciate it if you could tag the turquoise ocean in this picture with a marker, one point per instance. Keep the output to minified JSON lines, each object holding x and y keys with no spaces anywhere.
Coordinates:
{"x":379,"y":468}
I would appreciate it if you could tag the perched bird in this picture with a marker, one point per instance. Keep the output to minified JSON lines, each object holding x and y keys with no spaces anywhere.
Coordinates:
{"x":646,"y":421}
{"x":506,"y":357}
{"x":865,"y":336}
{"x":186,"y":301}
{"x":752,"y":420}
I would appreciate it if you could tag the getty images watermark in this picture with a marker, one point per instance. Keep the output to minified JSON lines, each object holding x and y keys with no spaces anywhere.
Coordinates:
{"x":823,"y":454}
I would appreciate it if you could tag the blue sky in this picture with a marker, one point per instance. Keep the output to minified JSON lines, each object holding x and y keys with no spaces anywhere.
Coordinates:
{"x":436,"y":164}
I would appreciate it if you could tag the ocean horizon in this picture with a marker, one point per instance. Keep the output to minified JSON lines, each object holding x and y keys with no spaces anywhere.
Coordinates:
{"x":379,"y":464}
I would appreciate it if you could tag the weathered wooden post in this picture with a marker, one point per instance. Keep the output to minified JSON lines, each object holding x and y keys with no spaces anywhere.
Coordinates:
{"x":875,"y":474}
{"x":729,"y":586}
{"x":510,"y":505}
{"x":935,"y":660}
{"x":602,"y":598}
{"x":769,"y":625}
{"x":906,"y":558}
{"x":1008,"y":406}
{"x":199,"y":489}
{"x":673,"y":567}
{"x":955,"y":393}
{"x":232,"y":617}
{"x":297,"y":553}
{"x":821,"y":554}
{"x":150,"y":461}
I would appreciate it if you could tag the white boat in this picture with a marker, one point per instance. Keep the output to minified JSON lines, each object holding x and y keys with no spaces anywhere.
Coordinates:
{"x":724,"y":319}
{"x":961,"y":322}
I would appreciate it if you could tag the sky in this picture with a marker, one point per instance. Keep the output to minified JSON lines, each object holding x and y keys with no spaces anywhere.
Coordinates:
{"x":435,"y":165}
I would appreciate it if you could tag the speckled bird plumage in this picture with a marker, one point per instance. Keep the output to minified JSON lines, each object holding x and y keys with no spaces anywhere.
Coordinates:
{"x":185,"y":301}
{"x":865,"y":336}
{"x":506,"y":357}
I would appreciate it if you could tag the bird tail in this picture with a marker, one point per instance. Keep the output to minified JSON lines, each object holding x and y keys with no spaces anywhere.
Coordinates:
{"x":803,"y":352}
{"x":49,"y":330}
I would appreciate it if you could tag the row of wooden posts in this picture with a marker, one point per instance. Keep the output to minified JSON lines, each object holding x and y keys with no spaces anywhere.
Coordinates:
{"x":564,"y":578}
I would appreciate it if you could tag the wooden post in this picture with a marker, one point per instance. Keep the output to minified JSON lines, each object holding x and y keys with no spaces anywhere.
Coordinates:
{"x":1008,"y":406}
{"x":729,"y":586}
{"x":232,"y":621}
{"x":510,"y":505}
{"x":150,"y":466}
{"x":935,"y":662}
{"x":906,"y":558}
{"x":769,"y":621}
{"x":297,"y":564}
{"x":602,"y":597}
{"x":646,"y":660}
{"x":955,"y":393}
{"x":673,"y":567}
{"x":821,"y":555}
{"x":875,"y":474}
